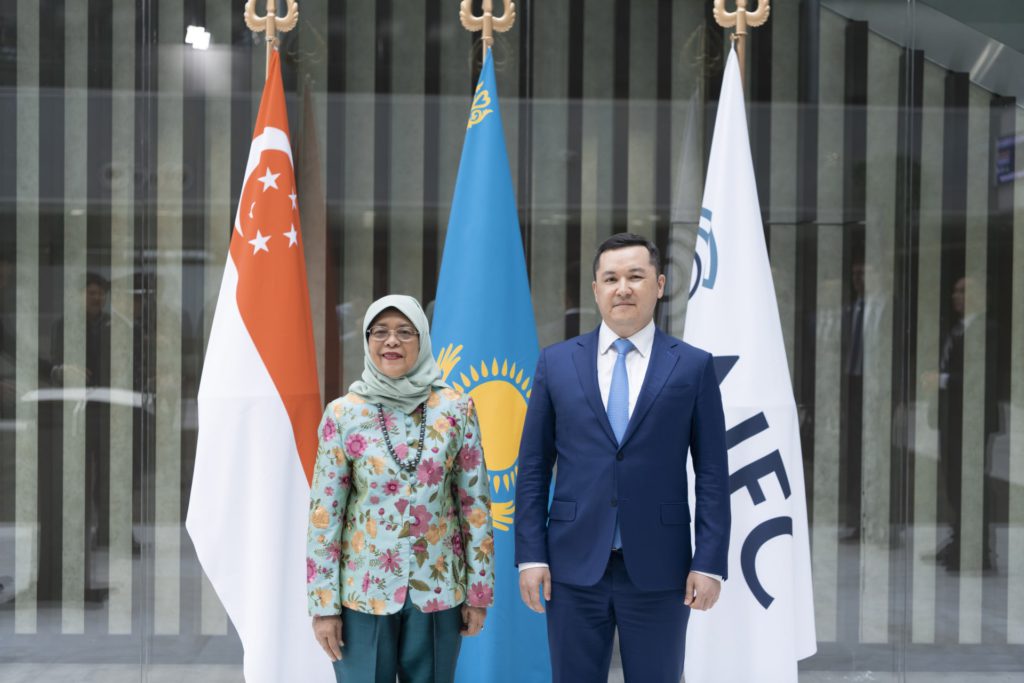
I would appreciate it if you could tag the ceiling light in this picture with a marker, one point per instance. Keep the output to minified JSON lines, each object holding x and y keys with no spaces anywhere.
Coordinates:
{"x":197,"y":37}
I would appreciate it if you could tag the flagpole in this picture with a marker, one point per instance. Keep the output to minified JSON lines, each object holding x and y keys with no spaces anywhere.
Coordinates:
{"x":271,"y":24}
{"x":487,"y":22}
{"x":741,"y":19}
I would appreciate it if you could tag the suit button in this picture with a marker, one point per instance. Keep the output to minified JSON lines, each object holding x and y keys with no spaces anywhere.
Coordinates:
{"x":615,"y":501}
{"x":619,"y":456}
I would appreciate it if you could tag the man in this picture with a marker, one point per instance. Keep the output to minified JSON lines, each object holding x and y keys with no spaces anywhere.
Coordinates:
{"x":616,"y":410}
{"x":968,"y":307}
{"x":88,"y":420}
{"x":852,"y":400}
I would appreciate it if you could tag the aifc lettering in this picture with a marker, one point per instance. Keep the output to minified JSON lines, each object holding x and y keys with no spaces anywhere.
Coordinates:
{"x":748,"y":478}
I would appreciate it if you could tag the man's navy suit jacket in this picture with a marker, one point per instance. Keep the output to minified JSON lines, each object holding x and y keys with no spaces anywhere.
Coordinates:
{"x":643,"y":480}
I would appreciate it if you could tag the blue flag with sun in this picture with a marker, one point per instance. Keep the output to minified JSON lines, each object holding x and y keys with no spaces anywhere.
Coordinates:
{"x":486,"y":341}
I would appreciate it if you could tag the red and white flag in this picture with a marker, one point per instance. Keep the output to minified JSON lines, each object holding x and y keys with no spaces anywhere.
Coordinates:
{"x":259,"y":406}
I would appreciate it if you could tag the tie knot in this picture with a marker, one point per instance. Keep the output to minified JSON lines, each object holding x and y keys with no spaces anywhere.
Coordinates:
{"x":623,"y":346}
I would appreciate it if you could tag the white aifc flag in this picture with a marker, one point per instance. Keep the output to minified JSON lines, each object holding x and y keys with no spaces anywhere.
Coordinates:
{"x":764,"y":621}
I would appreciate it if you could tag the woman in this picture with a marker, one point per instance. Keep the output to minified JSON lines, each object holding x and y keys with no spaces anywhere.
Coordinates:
{"x":400,"y":546}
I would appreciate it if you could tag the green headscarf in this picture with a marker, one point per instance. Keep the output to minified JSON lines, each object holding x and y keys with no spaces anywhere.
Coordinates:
{"x":407,"y":392}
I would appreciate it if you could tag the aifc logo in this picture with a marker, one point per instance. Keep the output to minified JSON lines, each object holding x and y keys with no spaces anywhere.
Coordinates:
{"x":705,"y":255}
{"x":500,"y":390}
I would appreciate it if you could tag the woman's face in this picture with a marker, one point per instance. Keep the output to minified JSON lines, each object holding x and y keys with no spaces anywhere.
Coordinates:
{"x":393,"y":356}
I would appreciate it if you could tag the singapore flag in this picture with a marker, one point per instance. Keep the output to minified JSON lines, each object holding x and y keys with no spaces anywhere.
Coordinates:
{"x":259,"y":406}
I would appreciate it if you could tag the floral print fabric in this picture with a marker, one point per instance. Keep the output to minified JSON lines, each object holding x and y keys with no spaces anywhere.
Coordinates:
{"x":377,"y":533}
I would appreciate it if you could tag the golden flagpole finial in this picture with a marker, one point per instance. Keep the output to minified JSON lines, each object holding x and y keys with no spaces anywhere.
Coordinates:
{"x":271,"y":24}
{"x":487,"y":22}
{"x":741,"y":19}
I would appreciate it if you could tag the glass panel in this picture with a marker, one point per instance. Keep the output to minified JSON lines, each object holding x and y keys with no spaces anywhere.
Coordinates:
{"x":887,"y":143}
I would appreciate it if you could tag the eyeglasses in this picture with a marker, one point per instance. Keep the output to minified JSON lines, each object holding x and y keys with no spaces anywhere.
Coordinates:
{"x":381,"y":334}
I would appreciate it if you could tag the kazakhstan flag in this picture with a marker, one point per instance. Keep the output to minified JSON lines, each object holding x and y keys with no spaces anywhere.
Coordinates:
{"x":486,"y":340}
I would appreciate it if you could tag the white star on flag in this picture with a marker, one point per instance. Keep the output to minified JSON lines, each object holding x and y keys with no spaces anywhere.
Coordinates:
{"x":292,"y":197}
{"x":269,"y":180}
{"x":293,"y":237}
{"x":260,"y":243}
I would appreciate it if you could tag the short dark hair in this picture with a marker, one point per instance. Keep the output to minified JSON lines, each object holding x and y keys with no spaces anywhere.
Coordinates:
{"x":92,"y":278}
{"x":628,"y":239}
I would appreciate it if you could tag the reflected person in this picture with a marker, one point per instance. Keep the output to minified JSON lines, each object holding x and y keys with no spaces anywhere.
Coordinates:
{"x":967,"y":303}
{"x":93,"y":409}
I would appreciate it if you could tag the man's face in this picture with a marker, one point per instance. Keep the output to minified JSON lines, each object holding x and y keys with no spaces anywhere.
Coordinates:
{"x":627,"y":288}
{"x":95,"y":299}
{"x":857,"y":278}
{"x":959,"y":290}
{"x":968,"y":297}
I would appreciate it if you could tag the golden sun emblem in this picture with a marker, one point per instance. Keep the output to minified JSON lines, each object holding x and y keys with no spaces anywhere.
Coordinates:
{"x":500,"y":392}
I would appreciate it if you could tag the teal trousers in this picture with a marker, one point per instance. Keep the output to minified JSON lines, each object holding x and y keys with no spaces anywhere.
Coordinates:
{"x":410,"y":645}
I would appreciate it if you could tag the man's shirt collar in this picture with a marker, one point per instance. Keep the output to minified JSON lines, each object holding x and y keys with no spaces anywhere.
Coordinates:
{"x":643,"y":340}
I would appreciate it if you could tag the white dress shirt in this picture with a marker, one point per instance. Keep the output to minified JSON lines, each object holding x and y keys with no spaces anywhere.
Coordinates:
{"x":636,"y":369}
{"x":636,"y":361}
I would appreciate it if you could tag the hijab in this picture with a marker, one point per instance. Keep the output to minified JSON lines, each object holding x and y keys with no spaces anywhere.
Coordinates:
{"x":407,"y":392}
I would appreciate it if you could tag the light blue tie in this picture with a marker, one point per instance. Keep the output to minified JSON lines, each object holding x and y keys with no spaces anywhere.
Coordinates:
{"x":618,"y":405}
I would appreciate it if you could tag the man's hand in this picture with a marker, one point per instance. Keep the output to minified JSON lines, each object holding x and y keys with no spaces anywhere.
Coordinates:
{"x":701,"y":591}
{"x":327,"y":631}
{"x":473,"y":619}
{"x":531,"y":582}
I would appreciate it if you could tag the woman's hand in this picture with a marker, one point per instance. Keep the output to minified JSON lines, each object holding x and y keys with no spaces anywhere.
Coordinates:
{"x":473,"y":619}
{"x":328,"y":633}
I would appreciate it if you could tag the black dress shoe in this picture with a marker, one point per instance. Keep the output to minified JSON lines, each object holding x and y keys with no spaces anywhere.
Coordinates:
{"x":949,"y":552}
{"x":852,"y":536}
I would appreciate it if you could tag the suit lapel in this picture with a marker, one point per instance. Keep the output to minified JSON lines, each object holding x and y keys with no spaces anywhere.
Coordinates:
{"x":663,"y":359}
{"x":585,"y":359}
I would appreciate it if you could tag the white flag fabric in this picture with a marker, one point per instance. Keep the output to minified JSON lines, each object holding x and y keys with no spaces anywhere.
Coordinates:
{"x":259,"y":407}
{"x":764,"y":620}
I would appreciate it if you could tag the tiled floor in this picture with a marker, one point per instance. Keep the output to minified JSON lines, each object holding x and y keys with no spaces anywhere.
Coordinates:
{"x":66,"y":660}
{"x":118,"y":673}
{"x":65,"y":673}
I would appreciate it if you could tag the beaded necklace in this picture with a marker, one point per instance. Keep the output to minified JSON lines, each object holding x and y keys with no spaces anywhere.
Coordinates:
{"x":407,"y":465}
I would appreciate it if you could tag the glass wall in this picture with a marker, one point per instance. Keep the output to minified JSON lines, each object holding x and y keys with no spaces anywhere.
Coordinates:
{"x":884,"y":134}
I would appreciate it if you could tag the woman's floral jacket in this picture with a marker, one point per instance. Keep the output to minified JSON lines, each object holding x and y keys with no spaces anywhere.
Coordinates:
{"x":378,"y":533}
